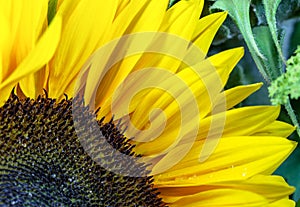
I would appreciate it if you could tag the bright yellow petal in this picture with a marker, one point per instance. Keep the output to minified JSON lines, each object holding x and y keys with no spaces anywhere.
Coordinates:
{"x":277,"y":128}
{"x":286,"y":202}
{"x":198,"y":82}
{"x":122,"y":5}
{"x":235,"y":158}
{"x":239,"y":121}
{"x":235,"y":95}
{"x":184,"y":99}
{"x":179,"y":20}
{"x":272,"y":188}
{"x":222,"y":197}
{"x":4,"y":45}
{"x":206,"y":29}
{"x":21,"y":26}
{"x":10,"y":15}
{"x":149,"y":18}
{"x":83,"y":31}
{"x":35,"y":18}
{"x":180,"y":102}
{"x":33,"y":84}
{"x":225,"y":61}
{"x":36,"y":58}
{"x":124,"y":22}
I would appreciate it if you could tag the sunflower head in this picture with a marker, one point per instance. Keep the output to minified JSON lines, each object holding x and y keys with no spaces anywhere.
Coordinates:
{"x":58,"y":150}
{"x":43,"y":162}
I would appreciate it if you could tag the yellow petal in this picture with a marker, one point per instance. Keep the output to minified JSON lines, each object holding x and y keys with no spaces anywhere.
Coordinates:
{"x":225,"y":61}
{"x":182,"y":105}
{"x":179,"y":20}
{"x":21,"y":25}
{"x":271,"y":187}
{"x":286,"y":202}
{"x":203,"y":87}
{"x":83,"y":31}
{"x":235,"y":158}
{"x":276,"y":128}
{"x":10,"y":19}
{"x":149,"y":18}
{"x":36,"y":58}
{"x":121,"y":5}
{"x":139,"y":16}
{"x":4,"y":45}
{"x":222,"y":197}
{"x":33,"y":84}
{"x":235,"y":95}
{"x":206,"y":29}
{"x":240,"y":121}
{"x":35,"y":18}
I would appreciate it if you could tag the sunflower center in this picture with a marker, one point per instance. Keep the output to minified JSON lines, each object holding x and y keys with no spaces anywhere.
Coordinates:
{"x":43,"y":163}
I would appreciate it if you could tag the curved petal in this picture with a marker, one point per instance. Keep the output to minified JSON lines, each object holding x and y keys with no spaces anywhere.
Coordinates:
{"x":286,"y":202}
{"x":276,"y":128}
{"x":235,"y":158}
{"x":220,"y":198}
{"x":148,"y":18}
{"x":83,"y":31}
{"x":225,"y":61}
{"x":239,"y":121}
{"x":36,"y":59}
{"x":235,"y":95}
{"x":206,"y":29}
{"x":272,"y":188}
{"x":21,"y":26}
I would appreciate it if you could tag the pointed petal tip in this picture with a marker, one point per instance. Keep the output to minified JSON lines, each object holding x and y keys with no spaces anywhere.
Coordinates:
{"x":222,"y":15}
{"x":294,"y":143}
{"x":260,"y":83}
{"x":257,"y":85}
{"x":240,"y":51}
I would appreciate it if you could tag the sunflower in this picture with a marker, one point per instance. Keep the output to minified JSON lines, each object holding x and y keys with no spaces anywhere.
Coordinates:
{"x":197,"y":150}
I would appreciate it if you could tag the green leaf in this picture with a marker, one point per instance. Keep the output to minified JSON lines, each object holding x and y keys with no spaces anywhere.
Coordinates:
{"x":270,"y":12}
{"x":239,"y":12}
{"x":52,"y":4}
{"x":266,"y":45}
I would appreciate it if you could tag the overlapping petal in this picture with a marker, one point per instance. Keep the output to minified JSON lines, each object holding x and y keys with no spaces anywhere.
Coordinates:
{"x":273,"y":189}
{"x":249,"y":156}
{"x":252,"y":143}
{"x":23,"y":51}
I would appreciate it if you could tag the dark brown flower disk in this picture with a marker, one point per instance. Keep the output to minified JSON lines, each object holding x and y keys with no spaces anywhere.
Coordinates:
{"x":43,"y":161}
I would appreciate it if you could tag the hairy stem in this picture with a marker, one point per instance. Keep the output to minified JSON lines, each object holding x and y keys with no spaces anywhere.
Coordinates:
{"x":293,"y":116}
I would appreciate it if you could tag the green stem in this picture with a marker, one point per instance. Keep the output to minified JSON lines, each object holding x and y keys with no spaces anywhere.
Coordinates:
{"x":292,"y":115}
